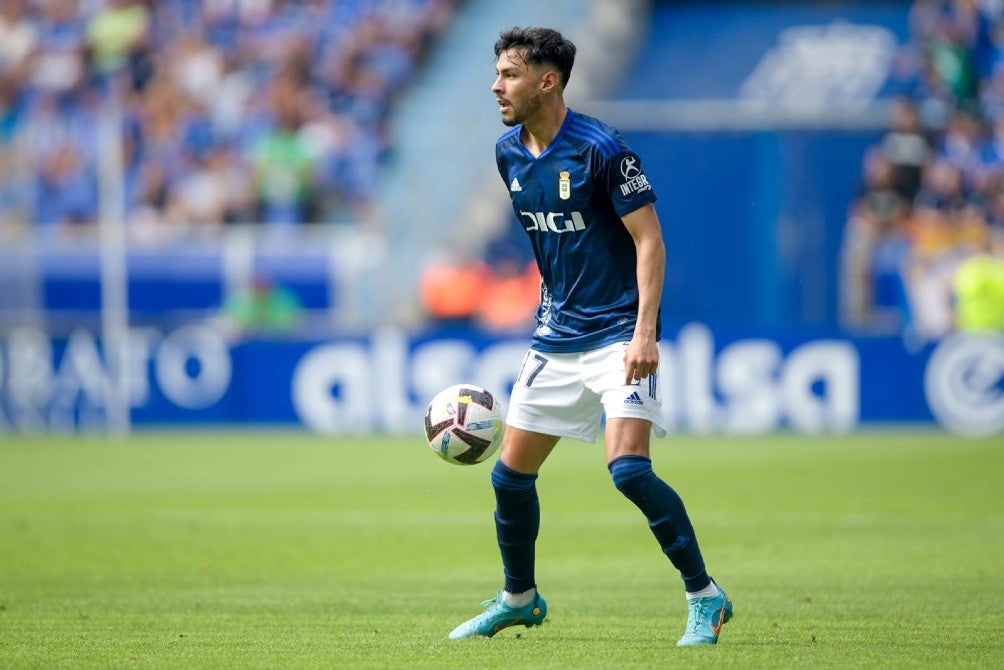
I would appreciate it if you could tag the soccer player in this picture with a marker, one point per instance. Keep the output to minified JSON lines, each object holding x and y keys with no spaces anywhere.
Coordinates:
{"x":587,"y":207}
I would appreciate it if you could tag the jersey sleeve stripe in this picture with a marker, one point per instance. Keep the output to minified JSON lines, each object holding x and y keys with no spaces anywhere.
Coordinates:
{"x":602,"y":148}
{"x":602,"y":138}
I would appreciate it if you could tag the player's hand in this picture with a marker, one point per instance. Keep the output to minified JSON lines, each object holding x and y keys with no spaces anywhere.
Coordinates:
{"x":640,"y":360}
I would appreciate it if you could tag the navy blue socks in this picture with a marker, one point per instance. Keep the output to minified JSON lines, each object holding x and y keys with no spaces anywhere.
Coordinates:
{"x":517,"y":522}
{"x":667,"y":517}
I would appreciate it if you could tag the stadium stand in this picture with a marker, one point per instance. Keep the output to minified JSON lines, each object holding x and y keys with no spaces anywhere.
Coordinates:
{"x":242,"y":124}
{"x":269,"y":115}
{"x":305,"y":141}
{"x":290,"y":98}
{"x":932,"y":184}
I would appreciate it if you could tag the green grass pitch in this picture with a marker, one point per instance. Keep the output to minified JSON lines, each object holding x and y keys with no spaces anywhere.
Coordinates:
{"x":281,"y":549}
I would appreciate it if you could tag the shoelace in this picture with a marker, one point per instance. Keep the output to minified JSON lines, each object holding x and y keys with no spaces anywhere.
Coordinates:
{"x":696,"y":615}
{"x":487,"y":604}
{"x":493,"y":601}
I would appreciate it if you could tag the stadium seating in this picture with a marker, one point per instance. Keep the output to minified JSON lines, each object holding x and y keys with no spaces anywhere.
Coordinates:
{"x":267,"y":116}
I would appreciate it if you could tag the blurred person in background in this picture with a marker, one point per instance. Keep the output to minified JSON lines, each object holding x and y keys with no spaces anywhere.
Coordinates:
{"x":452,"y":288}
{"x":946,"y":33}
{"x":346,"y":162}
{"x":874,"y":250}
{"x":906,"y":147}
{"x":66,"y":193}
{"x":59,"y":62}
{"x":927,"y":273}
{"x":266,"y":308}
{"x":161,"y":158}
{"x":961,"y":144}
{"x":214,"y":192}
{"x":283,"y":170}
{"x":510,"y":297}
{"x":992,"y":93}
{"x":18,"y":36}
{"x":118,"y":38}
{"x":14,"y":205}
{"x":978,"y":287}
{"x":944,"y":222}
{"x":988,"y":159}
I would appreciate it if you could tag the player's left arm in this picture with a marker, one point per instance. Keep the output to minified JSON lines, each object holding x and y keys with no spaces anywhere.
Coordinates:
{"x":642,"y":356}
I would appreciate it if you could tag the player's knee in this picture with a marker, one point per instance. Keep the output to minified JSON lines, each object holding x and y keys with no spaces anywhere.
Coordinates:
{"x":631,"y":473}
{"x":505,"y":478}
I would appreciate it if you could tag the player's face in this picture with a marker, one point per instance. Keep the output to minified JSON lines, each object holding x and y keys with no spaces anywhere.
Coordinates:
{"x":516,"y":88}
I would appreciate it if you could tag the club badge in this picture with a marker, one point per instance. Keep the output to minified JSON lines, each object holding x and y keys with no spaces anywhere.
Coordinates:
{"x":564,"y":185}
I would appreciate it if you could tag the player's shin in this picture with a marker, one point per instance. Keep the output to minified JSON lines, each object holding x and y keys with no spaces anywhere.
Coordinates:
{"x":517,"y":522}
{"x":667,"y":517}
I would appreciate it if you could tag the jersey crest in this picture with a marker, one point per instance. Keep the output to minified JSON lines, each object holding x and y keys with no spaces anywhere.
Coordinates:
{"x":564,"y":185}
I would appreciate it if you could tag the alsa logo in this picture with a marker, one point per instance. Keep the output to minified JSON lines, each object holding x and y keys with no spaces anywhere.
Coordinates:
{"x":554,"y":222}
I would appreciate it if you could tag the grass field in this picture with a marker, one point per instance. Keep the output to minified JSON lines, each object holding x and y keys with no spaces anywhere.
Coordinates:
{"x":203,"y":550}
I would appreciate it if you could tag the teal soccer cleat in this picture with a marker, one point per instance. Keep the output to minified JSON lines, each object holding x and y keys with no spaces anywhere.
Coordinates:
{"x":498,"y":615}
{"x":707,"y":616}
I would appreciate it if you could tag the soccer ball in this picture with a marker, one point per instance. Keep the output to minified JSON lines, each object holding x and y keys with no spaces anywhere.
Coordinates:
{"x":463,"y":424}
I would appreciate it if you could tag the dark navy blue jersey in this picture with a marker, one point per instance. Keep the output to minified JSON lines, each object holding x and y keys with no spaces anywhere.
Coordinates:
{"x":570,"y":201}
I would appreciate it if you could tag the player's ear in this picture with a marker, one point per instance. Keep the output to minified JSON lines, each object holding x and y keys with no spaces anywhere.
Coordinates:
{"x":550,"y":82}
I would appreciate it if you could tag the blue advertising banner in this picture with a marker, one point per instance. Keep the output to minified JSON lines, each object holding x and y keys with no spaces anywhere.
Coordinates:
{"x":711,"y":382}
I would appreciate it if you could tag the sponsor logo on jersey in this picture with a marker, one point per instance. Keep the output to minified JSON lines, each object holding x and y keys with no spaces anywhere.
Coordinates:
{"x":564,"y":185}
{"x":635,"y":180}
{"x":554,"y":222}
{"x":629,"y":167}
{"x":514,"y":186}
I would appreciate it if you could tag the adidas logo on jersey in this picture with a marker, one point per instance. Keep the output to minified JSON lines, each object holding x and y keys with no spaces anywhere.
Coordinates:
{"x":633,"y":399}
{"x":514,"y":186}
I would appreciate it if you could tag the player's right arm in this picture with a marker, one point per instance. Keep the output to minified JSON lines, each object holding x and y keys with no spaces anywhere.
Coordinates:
{"x":642,"y":356}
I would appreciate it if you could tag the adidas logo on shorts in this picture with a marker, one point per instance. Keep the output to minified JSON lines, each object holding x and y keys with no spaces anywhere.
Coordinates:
{"x":633,"y":399}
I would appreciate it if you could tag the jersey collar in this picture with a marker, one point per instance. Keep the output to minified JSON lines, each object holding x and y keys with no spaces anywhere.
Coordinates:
{"x":557,"y":138}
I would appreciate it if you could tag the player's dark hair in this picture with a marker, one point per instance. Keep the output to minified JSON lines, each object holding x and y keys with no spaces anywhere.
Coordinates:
{"x":541,"y":45}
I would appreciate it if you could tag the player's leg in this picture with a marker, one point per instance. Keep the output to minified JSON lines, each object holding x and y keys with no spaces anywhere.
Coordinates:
{"x":548,"y":402}
{"x":517,"y":508}
{"x":631,"y":469}
{"x":633,"y":412}
{"x":517,"y":522}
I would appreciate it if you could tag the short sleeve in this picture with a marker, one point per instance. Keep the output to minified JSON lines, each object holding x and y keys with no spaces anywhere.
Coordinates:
{"x":626,"y":183}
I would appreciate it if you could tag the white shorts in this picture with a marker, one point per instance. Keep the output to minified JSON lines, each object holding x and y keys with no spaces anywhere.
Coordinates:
{"x":567,"y":394}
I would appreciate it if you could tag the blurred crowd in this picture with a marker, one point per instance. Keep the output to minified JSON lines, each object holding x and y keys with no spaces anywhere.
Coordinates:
{"x":498,"y":291}
{"x":923,"y":252}
{"x":274,"y":112}
{"x":260,"y":111}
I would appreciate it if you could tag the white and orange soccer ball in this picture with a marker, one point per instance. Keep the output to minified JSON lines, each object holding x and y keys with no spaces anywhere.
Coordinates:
{"x":463,"y":424}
